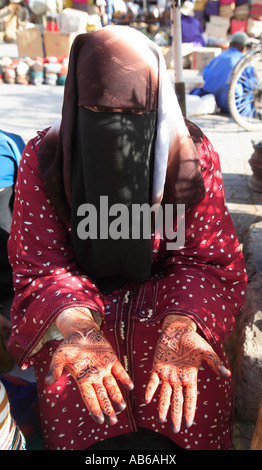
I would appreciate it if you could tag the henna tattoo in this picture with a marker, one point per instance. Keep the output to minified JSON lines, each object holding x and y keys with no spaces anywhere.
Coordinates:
{"x":176,"y":347}
{"x":74,"y":319}
{"x":90,"y":359}
{"x":87,"y":372}
{"x":178,"y":357}
{"x":86,"y":353}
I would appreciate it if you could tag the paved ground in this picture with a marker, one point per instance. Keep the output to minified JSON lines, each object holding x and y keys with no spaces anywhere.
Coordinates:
{"x":234,"y":146}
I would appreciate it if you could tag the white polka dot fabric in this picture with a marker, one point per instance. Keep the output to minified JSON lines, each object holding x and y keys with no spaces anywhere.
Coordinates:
{"x":205,"y":280}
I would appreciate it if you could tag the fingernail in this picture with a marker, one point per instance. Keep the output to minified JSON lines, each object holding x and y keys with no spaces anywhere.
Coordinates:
{"x":111,"y":420}
{"x":130,"y":385}
{"x":120,"y":405}
{"x":188,"y":423}
{"x":161,"y":420}
{"x":49,"y":379}
{"x":175,"y":428}
{"x":98,"y":418}
{"x":224,"y":371}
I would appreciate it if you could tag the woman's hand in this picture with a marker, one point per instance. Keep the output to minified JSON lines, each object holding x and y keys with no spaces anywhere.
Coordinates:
{"x":87,"y":355}
{"x":178,"y":357}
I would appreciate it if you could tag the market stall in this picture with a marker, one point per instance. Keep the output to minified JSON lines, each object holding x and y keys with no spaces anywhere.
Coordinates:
{"x":44,"y":32}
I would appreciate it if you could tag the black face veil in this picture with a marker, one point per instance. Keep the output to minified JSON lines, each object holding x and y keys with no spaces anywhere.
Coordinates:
{"x":112,"y":179}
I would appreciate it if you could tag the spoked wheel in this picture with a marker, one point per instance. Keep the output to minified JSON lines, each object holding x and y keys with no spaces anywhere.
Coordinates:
{"x":245,"y":92}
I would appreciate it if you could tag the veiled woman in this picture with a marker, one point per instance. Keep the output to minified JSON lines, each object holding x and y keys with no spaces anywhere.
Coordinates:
{"x":125,"y":333}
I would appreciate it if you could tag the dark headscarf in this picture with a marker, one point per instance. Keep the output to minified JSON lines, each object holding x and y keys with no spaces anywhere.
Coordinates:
{"x":143,"y":155}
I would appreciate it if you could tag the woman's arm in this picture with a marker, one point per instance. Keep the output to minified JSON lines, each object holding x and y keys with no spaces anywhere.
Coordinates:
{"x":46,"y":277}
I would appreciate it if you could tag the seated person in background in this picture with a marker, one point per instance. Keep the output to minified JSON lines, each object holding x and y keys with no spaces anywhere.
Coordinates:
{"x":191,"y":28}
{"x":217,"y":73}
{"x":125,"y":332}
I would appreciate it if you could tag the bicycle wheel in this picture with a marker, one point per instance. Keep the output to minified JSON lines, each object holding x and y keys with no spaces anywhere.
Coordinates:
{"x":245,"y":92}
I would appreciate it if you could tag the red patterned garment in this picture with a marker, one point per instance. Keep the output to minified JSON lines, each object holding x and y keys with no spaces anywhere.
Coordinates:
{"x":205,"y":280}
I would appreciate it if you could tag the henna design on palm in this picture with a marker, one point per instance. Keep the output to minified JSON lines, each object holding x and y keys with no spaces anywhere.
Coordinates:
{"x":178,"y":357}
{"x":90,"y":359}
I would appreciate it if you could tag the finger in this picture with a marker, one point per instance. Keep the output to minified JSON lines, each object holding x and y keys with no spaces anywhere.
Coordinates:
{"x":121,"y":374}
{"x":151,"y":387}
{"x":55,"y":371}
{"x":215,"y":363}
{"x":176,"y":408}
{"x":224,"y":372}
{"x":90,"y":399}
{"x":164,"y":401}
{"x":105,"y":404}
{"x":114,"y":392}
{"x":190,"y":400}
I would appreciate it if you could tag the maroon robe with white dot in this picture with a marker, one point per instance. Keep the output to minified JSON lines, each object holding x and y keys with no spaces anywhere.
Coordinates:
{"x":205,"y":281}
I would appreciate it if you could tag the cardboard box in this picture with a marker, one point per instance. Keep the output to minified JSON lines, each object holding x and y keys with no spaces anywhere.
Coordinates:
{"x":217,"y":31}
{"x":219,"y":21}
{"x":168,"y":53}
{"x":30,"y":43}
{"x":201,"y":56}
{"x":217,"y":27}
{"x":57,"y":44}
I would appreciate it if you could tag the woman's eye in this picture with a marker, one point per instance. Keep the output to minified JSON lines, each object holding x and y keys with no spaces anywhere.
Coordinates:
{"x":99,"y":108}
{"x":136,"y":111}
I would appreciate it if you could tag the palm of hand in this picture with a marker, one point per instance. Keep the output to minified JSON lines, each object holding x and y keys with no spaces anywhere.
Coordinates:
{"x":179,"y":354}
{"x":178,"y":357}
{"x":87,"y":355}
{"x":90,"y":359}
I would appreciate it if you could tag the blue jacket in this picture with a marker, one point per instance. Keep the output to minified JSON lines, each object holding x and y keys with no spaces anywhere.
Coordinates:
{"x":216,"y":75}
{"x":11,"y":148}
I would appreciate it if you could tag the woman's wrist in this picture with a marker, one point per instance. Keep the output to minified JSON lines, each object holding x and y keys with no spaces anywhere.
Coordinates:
{"x":75,"y":319}
{"x":179,"y":320}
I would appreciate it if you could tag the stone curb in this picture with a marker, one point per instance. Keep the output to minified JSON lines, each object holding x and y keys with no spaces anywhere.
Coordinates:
{"x":245,"y":347}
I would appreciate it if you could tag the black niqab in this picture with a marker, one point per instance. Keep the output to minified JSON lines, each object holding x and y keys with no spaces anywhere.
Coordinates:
{"x":113,"y":159}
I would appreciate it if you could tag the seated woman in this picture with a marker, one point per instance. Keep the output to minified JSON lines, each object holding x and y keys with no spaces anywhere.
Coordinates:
{"x":125,"y":332}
